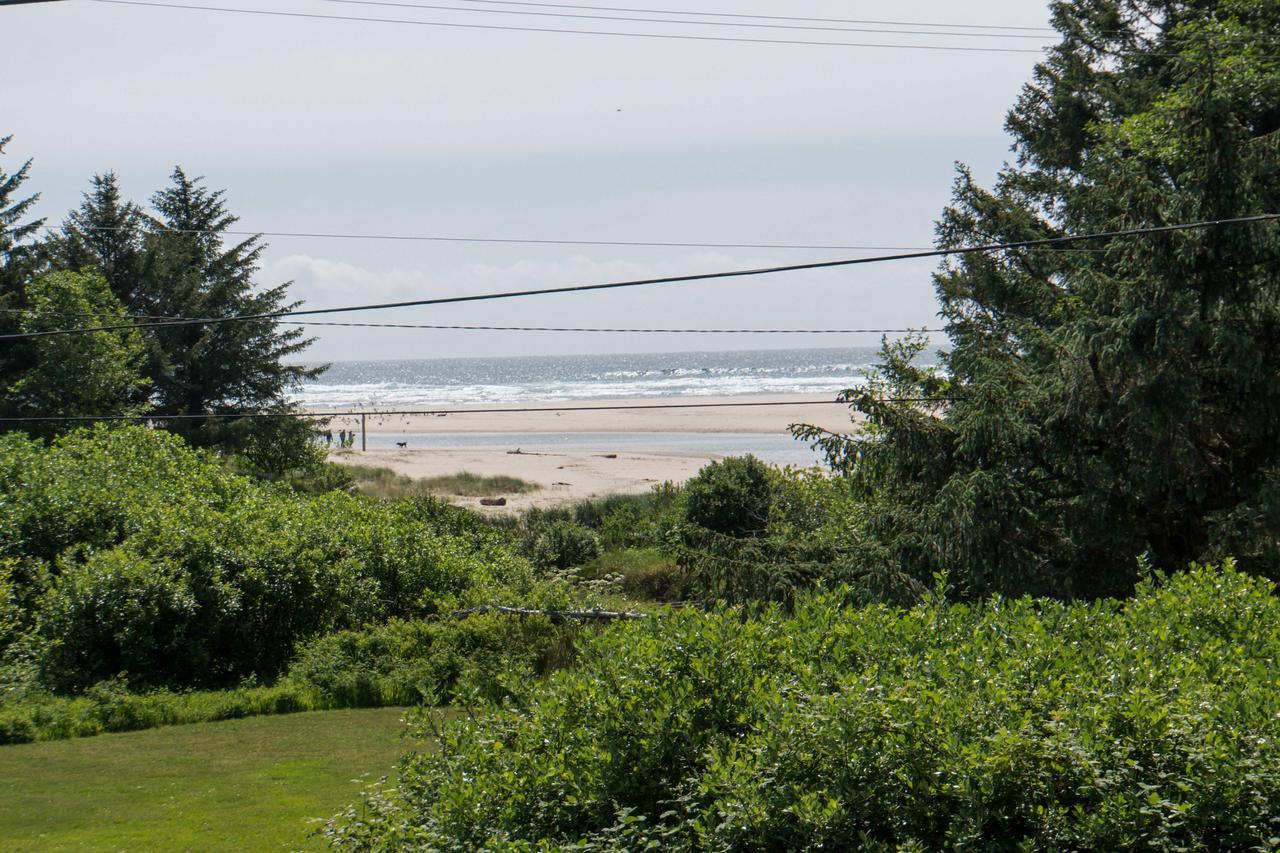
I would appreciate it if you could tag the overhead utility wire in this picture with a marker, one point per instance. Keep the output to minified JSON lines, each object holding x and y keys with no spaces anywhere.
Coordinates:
{"x":586,"y":288}
{"x":1045,"y":30}
{"x":1048,"y":30}
{"x":67,"y":229}
{"x":472,"y":328}
{"x":618,"y":331}
{"x":761,"y":17}
{"x":375,"y":412}
{"x":507,"y":28}
{"x":628,"y":19}
{"x":513,"y":240}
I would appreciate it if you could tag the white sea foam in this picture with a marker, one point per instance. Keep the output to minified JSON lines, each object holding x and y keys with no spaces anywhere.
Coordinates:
{"x":583,"y":378}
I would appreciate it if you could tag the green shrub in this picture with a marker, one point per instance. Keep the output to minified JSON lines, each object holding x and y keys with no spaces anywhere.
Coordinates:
{"x":731,"y":497}
{"x":327,"y":477}
{"x":1152,"y":724}
{"x":484,"y":659}
{"x":812,"y":536}
{"x":132,"y":553}
{"x":407,"y":663}
{"x":632,"y":521}
{"x":553,"y":541}
{"x":118,"y":612}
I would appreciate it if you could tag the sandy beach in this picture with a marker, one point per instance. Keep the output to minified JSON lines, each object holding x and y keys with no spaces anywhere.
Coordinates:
{"x":766,"y":414}
{"x":572,"y":475}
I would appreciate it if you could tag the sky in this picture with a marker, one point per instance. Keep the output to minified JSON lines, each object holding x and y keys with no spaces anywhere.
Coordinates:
{"x":340,"y":126}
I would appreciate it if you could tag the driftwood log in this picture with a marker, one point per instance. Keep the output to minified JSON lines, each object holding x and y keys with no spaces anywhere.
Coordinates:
{"x":557,"y":616}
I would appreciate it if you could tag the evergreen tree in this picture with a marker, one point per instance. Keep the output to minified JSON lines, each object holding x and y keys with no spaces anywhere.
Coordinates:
{"x":106,"y":234}
{"x":1121,"y":397}
{"x":216,"y":369}
{"x":17,"y":264}
{"x":14,"y":251}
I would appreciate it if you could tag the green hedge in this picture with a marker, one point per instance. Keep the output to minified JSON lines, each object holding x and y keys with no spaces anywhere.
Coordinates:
{"x":470,"y":661}
{"x":1013,"y":724}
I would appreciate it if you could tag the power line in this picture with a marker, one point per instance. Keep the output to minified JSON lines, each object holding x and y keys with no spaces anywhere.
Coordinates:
{"x":507,"y":28}
{"x":1250,"y":40}
{"x":808,"y":28}
{"x":938,"y":24}
{"x":764,"y":17}
{"x":433,"y":412}
{"x":67,"y":229}
{"x":630,"y":331}
{"x":516,"y":240}
{"x":474,"y":328}
{"x":585,"y":288}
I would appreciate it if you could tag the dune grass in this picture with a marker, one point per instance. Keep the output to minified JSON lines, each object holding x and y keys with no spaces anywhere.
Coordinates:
{"x":260,"y":784}
{"x":388,"y":484}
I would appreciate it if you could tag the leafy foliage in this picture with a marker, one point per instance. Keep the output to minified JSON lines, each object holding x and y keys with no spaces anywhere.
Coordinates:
{"x":398,"y":664}
{"x":633,"y":521}
{"x":136,"y":554}
{"x":94,"y":374}
{"x":773,"y":533}
{"x":1013,"y":724}
{"x":438,"y":662}
{"x":731,"y":497}
{"x":553,"y":543}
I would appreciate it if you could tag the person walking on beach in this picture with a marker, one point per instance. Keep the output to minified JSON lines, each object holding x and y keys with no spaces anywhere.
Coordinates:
{"x":328,"y":438}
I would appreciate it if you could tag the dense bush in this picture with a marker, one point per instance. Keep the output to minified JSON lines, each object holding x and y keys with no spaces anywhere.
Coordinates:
{"x":401,"y":663}
{"x":562,"y":544}
{"x":1011,"y":724}
{"x":808,"y":536}
{"x":136,"y":554}
{"x":731,"y":497}
{"x":632,"y":521}
{"x":408,"y":663}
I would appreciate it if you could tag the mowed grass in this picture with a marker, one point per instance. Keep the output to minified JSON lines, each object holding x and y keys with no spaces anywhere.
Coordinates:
{"x":388,"y":484}
{"x":251,"y":784}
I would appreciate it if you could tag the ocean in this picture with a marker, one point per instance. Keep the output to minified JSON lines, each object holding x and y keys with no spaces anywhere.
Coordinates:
{"x":584,"y":380}
{"x":537,"y":379}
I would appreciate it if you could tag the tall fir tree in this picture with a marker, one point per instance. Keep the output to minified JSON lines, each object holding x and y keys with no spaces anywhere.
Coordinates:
{"x":17,"y":264}
{"x":16,"y":255}
{"x":106,"y":234}
{"x":218,"y":369}
{"x":173,"y":263}
{"x":1118,"y":398}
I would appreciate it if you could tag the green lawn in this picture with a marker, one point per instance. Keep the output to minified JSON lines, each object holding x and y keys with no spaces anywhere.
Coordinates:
{"x":253,"y":784}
